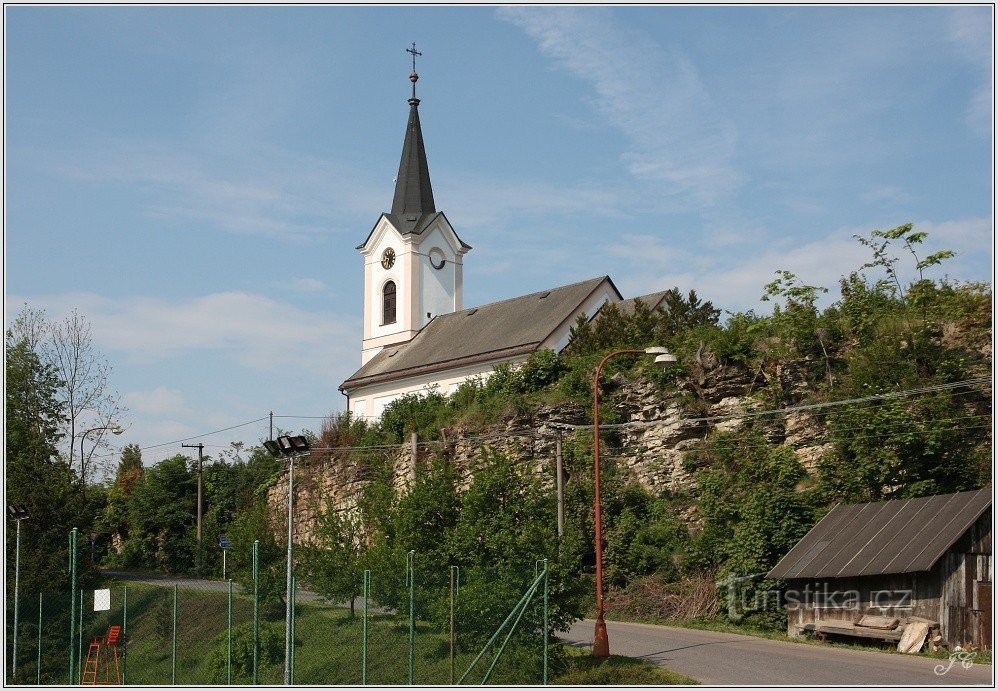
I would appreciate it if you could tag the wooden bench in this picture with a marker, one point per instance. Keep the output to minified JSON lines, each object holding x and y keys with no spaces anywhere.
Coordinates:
{"x":846,"y":629}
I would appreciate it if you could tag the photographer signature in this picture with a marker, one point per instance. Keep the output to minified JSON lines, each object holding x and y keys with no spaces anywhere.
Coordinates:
{"x":965,"y":658}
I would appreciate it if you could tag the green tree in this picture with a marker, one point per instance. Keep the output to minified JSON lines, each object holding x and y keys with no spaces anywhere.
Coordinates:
{"x":334,"y":564}
{"x":35,"y":475}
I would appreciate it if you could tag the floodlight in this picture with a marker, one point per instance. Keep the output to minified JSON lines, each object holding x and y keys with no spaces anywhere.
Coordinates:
{"x":285,"y":444}
{"x":272,"y":447}
{"x":17,"y":511}
{"x":300,"y":443}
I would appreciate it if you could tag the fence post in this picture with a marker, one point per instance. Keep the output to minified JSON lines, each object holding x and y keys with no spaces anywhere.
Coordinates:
{"x":545,"y":682}
{"x":412,"y":611}
{"x":294,"y":597}
{"x":174,"y":665}
{"x":38,"y":670}
{"x":256,"y":609}
{"x":363,"y":650}
{"x":451,"y":626}
{"x":228,"y":657}
{"x":124,"y":633}
{"x":79,"y":657}
{"x":72,"y":601}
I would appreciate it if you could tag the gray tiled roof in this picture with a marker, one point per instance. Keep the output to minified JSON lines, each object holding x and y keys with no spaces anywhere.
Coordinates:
{"x":500,"y":329}
{"x":652,"y":300}
{"x":899,"y":536}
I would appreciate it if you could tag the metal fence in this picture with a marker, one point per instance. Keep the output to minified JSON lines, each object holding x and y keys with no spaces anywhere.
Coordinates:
{"x":188,"y":632}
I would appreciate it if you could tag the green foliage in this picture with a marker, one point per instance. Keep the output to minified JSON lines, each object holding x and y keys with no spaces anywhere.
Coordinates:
{"x":412,"y":412}
{"x":270,"y":652}
{"x":251,"y":524}
{"x":333,"y":564}
{"x":644,"y":537}
{"x":751,"y":505}
{"x":35,"y":475}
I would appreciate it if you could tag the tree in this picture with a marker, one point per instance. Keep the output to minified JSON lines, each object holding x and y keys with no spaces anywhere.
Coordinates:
{"x":35,"y":475}
{"x":86,"y":389}
{"x":84,"y":379}
{"x":129,"y":468}
{"x":334,"y":564}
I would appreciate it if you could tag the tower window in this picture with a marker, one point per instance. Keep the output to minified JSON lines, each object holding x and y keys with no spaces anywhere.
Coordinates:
{"x":388,"y":303}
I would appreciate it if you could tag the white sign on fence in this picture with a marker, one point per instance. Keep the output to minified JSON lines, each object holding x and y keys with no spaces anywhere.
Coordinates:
{"x":102,"y":600}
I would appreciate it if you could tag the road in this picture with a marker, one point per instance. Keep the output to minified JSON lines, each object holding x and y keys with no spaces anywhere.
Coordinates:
{"x":202,"y":584}
{"x":725,"y":658}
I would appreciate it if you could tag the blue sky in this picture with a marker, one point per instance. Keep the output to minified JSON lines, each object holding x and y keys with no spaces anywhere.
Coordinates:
{"x":195,"y":179}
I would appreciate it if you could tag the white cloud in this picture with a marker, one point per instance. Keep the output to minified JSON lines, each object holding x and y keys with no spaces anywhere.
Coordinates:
{"x":309,"y":285}
{"x":678,"y":141}
{"x":257,"y":332}
{"x":970,"y":32}
{"x":735,"y":281}
{"x":886,"y":193}
{"x":255,"y":190}
{"x":159,"y":401}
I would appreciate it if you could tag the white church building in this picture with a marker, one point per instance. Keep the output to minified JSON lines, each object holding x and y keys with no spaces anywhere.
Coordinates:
{"x":417,"y":332}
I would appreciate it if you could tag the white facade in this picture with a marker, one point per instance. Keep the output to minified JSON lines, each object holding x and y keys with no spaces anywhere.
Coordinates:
{"x":427,"y":270}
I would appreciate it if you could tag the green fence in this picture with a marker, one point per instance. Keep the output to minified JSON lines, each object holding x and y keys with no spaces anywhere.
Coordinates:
{"x":188,"y":632}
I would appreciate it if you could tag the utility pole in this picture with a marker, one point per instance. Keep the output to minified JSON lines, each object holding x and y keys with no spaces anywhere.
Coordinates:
{"x":559,"y":483}
{"x":200,"y":448}
{"x":271,"y":437}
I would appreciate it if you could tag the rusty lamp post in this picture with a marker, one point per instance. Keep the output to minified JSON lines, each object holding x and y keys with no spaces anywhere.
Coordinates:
{"x":601,"y":645}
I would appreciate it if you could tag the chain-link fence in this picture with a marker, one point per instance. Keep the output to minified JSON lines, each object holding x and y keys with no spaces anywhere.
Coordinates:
{"x":429,"y":627}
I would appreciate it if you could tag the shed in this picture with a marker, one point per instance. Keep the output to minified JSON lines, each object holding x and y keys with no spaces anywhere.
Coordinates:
{"x":925,"y":560}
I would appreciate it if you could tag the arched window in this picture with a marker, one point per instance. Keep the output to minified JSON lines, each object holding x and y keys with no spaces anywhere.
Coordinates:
{"x":388,"y":303}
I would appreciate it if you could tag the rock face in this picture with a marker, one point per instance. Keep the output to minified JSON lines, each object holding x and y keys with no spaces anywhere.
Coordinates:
{"x":652,"y":450}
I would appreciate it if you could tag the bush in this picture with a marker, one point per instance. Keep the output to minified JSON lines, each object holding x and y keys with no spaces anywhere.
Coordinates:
{"x":270,"y":654}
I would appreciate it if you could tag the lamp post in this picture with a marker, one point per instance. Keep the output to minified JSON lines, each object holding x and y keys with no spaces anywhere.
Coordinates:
{"x":601,"y":645}
{"x":292,"y":448}
{"x":18,"y":512}
{"x":111,"y":427}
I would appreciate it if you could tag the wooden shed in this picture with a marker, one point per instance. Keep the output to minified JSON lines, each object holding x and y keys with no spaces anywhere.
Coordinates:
{"x":872,"y":570}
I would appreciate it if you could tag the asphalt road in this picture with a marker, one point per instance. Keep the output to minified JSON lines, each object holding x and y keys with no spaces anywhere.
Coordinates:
{"x":202,"y":584}
{"x":725,"y":658}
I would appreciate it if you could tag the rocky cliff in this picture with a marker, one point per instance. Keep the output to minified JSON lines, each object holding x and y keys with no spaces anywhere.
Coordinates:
{"x":652,"y":453}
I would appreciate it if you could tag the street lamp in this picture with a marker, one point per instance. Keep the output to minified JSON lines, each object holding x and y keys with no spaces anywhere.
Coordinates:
{"x":18,"y":512}
{"x":292,"y":447}
{"x":113,"y":428}
{"x":601,"y":645}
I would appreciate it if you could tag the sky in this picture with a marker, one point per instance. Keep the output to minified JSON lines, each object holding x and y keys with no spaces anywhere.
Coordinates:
{"x":195,"y":180}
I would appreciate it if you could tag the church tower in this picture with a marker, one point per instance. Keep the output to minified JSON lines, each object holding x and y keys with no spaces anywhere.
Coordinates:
{"x":413,"y":259}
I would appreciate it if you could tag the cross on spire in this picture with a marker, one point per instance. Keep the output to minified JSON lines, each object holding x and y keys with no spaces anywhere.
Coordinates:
{"x":414,"y":53}
{"x":413,"y":77}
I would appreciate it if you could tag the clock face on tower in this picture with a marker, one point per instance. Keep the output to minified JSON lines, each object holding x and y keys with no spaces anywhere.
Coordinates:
{"x":388,"y":258}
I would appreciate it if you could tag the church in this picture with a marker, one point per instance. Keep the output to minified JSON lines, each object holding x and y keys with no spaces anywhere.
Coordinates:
{"x":418,"y":335}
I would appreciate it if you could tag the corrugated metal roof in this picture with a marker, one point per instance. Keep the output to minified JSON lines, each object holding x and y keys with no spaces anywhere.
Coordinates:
{"x":899,"y":536}
{"x":500,"y":329}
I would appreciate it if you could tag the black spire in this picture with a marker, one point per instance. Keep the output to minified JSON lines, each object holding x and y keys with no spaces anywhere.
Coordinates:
{"x":413,"y":193}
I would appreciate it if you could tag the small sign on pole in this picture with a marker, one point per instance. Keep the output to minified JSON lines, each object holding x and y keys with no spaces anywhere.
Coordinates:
{"x":223,"y":542}
{"x":102,"y":600}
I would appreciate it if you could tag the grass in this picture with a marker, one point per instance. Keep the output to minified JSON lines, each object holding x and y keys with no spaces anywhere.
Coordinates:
{"x":983,"y":657}
{"x":585,"y":670}
{"x":328,"y":644}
